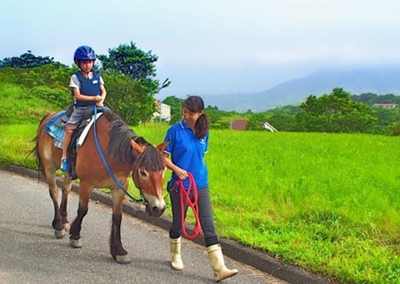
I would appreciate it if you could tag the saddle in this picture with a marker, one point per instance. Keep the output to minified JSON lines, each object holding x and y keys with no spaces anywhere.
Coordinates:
{"x":61,"y":121}
{"x":87,"y":114}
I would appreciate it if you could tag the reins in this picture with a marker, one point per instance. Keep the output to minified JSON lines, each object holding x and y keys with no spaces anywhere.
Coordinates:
{"x":184,"y":195}
{"x":120,"y":186}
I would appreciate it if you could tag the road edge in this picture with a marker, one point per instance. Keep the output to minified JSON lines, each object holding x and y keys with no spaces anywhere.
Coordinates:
{"x":257,"y":259}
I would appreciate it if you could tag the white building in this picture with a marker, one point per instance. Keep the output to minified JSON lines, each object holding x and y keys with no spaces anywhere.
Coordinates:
{"x":269,"y":127}
{"x":389,"y":106}
{"x":163,"y":112}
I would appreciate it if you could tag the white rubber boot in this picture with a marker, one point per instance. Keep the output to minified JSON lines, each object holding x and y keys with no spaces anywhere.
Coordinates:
{"x":175,"y":248}
{"x":218,"y":264}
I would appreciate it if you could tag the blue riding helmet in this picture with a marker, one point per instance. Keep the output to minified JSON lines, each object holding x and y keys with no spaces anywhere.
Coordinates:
{"x":84,"y":52}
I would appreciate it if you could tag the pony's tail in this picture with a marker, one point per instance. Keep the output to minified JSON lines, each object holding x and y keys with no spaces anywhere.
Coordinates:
{"x":35,"y":150}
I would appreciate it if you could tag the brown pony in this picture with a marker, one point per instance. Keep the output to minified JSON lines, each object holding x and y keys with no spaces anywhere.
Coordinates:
{"x":126,"y":154}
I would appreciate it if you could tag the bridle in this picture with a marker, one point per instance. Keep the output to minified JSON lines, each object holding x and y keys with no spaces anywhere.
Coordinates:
{"x":120,"y":186}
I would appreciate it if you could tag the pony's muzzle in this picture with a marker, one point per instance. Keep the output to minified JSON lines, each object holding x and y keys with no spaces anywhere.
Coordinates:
{"x":155,"y":207}
{"x":155,"y":211}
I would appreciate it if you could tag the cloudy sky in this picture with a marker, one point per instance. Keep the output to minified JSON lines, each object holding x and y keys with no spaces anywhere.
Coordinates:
{"x":212,"y":46}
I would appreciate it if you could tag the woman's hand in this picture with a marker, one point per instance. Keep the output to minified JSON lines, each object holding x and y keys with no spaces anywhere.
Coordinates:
{"x":182,"y":174}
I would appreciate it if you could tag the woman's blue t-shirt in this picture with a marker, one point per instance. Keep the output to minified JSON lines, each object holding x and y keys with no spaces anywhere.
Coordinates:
{"x":187,"y":152}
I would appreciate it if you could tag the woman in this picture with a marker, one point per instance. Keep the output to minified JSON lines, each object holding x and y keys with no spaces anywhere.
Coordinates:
{"x":188,"y":142}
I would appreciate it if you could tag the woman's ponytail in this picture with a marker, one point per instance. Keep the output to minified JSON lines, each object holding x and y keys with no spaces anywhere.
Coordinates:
{"x":202,"y":126}
{"x":196,"y":104}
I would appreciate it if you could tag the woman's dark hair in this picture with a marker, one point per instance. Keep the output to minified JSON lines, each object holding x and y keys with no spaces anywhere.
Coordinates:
{"x":196,"y":104}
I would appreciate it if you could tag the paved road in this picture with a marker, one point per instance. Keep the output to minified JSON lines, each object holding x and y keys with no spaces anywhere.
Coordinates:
{"x":29,"y":252}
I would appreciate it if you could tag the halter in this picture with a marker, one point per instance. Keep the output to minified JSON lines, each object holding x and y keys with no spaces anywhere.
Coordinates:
{"x":184,"y":195}
{"x":136,"y":178}
{"x":120,"y":186}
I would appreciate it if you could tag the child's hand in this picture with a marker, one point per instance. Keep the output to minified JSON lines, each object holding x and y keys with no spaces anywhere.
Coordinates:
{"x":99,"y":100}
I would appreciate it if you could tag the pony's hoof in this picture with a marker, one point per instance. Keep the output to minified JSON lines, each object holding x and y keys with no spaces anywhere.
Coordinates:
{"x":67,"y":227}
{"x":75,"y":243}
{"x":60,"y":233}
{"x":123,"y":259}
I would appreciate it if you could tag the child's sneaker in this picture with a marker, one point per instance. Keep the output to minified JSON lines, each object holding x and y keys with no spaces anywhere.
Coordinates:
{"x":64,"y":164}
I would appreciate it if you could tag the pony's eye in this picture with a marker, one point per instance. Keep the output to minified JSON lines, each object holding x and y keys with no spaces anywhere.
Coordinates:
{"x":143,"y":173}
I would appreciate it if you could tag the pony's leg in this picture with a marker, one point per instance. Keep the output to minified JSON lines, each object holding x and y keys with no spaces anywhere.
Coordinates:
{"x":50,"y":175}
{"x":116,"y":249}
{"x":66,"y":189}
{"x":76,"y":226}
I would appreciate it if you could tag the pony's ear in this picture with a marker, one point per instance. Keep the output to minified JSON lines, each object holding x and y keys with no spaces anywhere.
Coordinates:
{"x":162,"y":146}
{"x":138,"y":148}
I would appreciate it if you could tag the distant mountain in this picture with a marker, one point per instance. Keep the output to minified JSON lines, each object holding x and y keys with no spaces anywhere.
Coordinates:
{"x":380,"y":81}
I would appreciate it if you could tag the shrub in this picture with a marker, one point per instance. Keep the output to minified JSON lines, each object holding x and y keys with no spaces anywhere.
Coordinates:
{"x":58,"y":97}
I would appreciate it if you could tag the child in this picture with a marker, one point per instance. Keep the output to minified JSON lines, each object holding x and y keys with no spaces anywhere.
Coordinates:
{"x":87,"y":87}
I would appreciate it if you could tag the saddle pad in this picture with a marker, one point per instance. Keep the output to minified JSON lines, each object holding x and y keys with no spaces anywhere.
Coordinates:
{"x":81,"y":139}
{"x":54,"y":131}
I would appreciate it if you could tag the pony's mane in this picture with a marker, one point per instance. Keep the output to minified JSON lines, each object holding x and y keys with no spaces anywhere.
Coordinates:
{"x":120,"y":134}
{"x":151,"y":159}
{"x":119,"y":146}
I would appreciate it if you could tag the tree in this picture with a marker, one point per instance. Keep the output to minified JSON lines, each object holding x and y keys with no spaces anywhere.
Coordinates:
{"x":283,"y":122}
{"x":26,"y":60}
{"x":335,"y":112}
{"x":130,"y":60}
{"x":176,"y":108}
{"x":135,"y":63}
{"x":371,"y":98}
{"x":256,"y":121}
{"x":139,"y":67}
{"x":215,"y":118}
{"x":368,"y":98}
{"x":132,"y":100}
{"x":386,"y":116}
{"x":387,"y":99}
{"x":289,"y":110}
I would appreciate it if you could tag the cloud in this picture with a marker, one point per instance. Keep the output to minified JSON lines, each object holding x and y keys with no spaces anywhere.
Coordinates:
{"x":224,"y":45}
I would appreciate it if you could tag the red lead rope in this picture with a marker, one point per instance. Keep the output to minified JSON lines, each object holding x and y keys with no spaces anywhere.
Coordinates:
{"x":184,"y":195}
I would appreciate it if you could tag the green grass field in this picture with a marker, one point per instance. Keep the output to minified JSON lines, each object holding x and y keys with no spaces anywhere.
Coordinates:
{"x":326,"y":202}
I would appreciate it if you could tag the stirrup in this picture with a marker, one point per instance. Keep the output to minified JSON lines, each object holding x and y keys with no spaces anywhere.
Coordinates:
{"x":64,"y":164}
